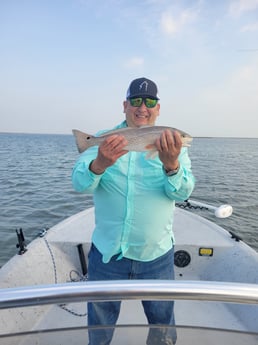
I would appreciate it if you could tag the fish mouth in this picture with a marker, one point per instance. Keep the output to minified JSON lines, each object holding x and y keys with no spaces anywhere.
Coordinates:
{"x":187,"y":141}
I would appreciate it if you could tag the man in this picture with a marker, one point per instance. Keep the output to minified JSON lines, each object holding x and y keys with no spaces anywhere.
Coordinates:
{"x":134,"y":201}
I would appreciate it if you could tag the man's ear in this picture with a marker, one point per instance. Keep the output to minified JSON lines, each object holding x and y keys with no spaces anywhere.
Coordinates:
{"x":124,"y":105}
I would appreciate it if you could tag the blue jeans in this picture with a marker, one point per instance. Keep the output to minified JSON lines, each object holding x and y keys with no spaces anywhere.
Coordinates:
{"x":106,"y":313}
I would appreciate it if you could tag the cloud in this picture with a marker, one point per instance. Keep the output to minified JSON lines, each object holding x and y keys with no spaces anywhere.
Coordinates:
{"x":237,"y":8}
{"x":227,"y":108}
{"x":239,"y":90}
{"x":168,"y":24}
{"x":250,"y":27}
{"x":172,"y":23}
{"x":246,"y":77}
{"x":135,"y":61}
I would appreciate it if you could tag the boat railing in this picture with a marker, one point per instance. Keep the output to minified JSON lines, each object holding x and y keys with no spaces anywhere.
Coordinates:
{"x":128,"y":290}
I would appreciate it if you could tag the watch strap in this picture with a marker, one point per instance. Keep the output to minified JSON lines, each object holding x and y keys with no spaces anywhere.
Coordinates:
{"x":171,"y":172}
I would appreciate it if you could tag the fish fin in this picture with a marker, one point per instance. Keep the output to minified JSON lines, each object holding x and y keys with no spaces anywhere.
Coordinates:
{"x":151,"y":154}
{"x":82,"y":140}
{"x":152,"y":151}
{"x":151,"y":147}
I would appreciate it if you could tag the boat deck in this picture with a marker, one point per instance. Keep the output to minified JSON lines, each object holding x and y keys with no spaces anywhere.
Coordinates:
{"x":198,"y":322}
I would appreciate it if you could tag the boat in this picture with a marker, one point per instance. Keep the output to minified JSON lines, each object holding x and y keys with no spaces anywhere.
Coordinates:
{"x":44,"y":288}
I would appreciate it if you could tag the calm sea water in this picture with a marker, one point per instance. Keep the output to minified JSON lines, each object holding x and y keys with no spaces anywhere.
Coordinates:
{"x":36,"y":191}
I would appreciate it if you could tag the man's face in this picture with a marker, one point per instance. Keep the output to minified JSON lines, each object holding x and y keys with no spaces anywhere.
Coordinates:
{"x":140,"y":116}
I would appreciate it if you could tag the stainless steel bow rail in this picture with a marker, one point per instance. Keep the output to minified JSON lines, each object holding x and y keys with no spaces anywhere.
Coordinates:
{"x":128,"y":290}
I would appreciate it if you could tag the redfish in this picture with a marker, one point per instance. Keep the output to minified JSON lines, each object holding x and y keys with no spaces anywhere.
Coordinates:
{"x":139,"y":139}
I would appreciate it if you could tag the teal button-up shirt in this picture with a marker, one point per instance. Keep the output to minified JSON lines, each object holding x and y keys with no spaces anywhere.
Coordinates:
{"x":134,"y":203}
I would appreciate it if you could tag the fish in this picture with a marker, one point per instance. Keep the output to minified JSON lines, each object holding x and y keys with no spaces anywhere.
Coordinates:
{"x":139,"y":139}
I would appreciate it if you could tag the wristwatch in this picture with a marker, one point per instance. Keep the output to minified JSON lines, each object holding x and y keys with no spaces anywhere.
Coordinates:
{"x":171,"y":172}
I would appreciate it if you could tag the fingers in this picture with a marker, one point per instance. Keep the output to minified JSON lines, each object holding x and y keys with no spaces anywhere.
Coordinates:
{"x":169,"y":146}
{"x":109,"y":151}
{"x":115,"y":144}
{"x":169,"y":141}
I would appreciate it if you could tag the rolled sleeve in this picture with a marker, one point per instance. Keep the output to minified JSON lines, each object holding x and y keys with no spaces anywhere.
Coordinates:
{"x":180,"y":186}
{"x":83,"y":179}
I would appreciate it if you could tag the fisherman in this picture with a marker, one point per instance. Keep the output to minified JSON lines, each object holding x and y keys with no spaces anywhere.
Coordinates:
{"x":134,"y":201}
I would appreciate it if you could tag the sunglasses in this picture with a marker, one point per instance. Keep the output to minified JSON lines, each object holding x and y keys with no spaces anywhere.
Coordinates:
{"x":137,"y":102}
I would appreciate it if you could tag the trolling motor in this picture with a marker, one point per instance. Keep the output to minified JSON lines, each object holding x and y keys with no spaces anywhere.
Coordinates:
{"x":21,"y":242}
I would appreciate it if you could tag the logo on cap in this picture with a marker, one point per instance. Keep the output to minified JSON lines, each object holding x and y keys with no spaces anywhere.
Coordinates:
{"x":142,"y":84}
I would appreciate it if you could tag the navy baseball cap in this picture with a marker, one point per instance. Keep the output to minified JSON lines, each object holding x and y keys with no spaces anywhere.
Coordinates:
{"x":142,"y":87}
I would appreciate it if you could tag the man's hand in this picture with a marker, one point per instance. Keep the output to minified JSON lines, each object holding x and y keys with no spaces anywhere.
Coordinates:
{"x":109,"y":151}
{"x":169,"y":146}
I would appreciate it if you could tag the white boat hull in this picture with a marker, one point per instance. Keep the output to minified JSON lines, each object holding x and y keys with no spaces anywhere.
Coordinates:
{"x":51,"y":259}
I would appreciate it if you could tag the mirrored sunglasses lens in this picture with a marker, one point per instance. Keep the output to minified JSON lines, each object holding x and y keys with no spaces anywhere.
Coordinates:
{"x":136,"y":102}
{"x":150,"y":103}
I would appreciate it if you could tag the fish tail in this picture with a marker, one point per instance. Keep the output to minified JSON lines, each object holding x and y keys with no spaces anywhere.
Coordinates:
{"x":83,"y":140}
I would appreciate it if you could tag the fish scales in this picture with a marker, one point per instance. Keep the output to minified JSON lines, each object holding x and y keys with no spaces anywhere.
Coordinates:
{"x":144,"y":140}
{"x":139,"y":139}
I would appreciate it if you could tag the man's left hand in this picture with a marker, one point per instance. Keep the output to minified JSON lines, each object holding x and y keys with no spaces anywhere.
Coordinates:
{"x":169,"y":146}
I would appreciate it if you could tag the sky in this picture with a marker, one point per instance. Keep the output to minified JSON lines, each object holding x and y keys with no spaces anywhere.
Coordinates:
{"x":67,"y":64}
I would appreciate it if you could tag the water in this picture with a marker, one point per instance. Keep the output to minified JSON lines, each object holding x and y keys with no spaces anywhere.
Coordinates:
{"x":36,"y":191}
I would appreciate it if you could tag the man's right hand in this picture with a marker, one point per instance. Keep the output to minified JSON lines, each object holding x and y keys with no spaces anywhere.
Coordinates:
{"x":109,"y":151}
